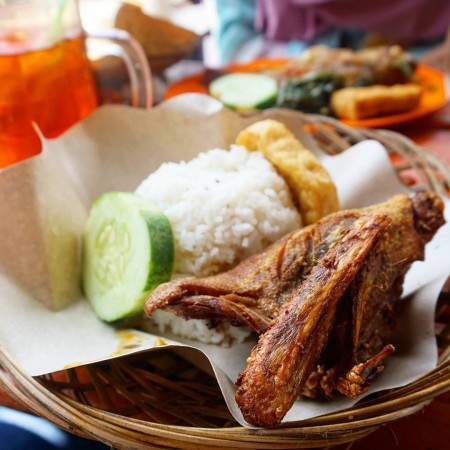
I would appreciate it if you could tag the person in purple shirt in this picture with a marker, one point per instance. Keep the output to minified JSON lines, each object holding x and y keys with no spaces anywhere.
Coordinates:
{"x":250,"y":28}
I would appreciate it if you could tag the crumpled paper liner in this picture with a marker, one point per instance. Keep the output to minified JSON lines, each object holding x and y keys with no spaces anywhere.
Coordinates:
{"x":46,"y":199}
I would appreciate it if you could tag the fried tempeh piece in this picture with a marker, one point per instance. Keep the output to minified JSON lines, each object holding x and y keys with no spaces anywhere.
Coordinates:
{"x":312,"y":188}
{"x":357,"y":103}
{"x":285,"y":355}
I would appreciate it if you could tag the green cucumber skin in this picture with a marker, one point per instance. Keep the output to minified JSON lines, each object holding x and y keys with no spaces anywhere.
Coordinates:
{"x":162,"y":253}
{"x":105,"y":295}
{"x":235,"y":83}
{"x":267,"y":104}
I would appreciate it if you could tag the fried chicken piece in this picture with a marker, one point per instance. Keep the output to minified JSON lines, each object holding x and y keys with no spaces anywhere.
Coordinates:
{"x":285,"y":355}
{"x":356,"y":380}
{"x":369,"y":312}
{"x":252,"y":292}
{"x":345,"y":339}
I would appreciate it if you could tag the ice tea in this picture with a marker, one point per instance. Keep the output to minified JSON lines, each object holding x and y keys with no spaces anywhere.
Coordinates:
{"x":51,"y":86}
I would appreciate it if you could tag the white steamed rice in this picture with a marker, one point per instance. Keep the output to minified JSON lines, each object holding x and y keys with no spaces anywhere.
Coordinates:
{"x":224,"y":205}
{"x":166,"y":322}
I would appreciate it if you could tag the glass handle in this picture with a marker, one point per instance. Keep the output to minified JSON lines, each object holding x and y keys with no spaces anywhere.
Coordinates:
{"x":135,"y":61}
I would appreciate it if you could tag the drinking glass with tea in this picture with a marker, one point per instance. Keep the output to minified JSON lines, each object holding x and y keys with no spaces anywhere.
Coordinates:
{"x":45,"y":74}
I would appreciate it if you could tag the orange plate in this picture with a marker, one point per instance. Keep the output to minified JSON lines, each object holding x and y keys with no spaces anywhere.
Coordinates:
{"x":435,"y":91}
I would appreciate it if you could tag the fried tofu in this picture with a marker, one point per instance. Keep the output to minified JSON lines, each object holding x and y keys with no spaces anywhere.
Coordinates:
{"x":312,"y":188}
{"x":355,"y":103}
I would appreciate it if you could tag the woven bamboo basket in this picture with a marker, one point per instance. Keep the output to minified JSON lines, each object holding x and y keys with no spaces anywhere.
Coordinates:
{"x":159,"y":400}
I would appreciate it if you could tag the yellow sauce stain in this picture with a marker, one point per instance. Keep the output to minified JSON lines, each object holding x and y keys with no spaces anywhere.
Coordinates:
{"x":128,"y":339}
{"x":159,"y":342}
{"x":73,"y":365}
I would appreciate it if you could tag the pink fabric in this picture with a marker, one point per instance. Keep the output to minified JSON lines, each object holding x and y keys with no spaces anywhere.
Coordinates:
{"x":398,"y":19}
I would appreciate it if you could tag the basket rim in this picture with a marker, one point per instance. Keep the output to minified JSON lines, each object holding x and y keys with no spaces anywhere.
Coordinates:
{"x":73,"y":416}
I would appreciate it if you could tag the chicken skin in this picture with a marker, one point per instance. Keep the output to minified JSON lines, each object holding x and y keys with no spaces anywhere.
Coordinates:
{"x":324,"y":300}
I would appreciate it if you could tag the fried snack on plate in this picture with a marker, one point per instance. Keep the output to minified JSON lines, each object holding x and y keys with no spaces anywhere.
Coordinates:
{"x":164,"y":43}
{"x":356,"y":103}
{"x":313,"y":190}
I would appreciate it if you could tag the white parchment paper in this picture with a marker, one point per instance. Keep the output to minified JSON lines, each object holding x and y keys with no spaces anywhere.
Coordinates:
{"x":46,"y":325}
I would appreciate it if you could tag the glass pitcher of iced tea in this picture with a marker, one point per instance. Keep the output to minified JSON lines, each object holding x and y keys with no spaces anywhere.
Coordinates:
{"x":45,"y":75}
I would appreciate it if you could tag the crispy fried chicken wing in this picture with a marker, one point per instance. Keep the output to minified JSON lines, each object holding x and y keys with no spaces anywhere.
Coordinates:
{"x":285,"y":355}
{"x":329,"y":314}
{"x":369,"y":312}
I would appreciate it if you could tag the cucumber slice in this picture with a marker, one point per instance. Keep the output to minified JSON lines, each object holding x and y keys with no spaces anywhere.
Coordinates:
{"x":128,"y":249}
{"x":245,"y":91}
